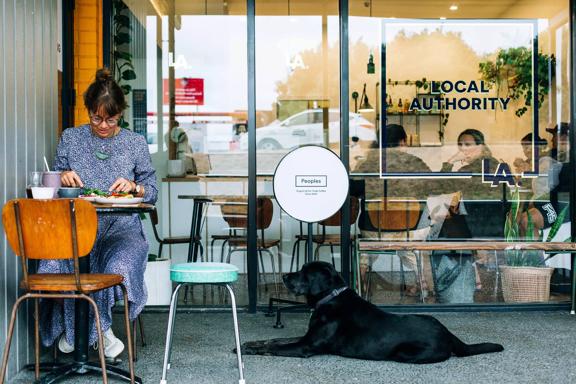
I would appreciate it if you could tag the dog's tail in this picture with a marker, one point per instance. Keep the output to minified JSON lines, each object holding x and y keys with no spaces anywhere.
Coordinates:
{"x":462,"y":349}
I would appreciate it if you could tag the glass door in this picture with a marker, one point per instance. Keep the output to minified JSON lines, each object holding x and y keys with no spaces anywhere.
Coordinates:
{"x":297,"y":104}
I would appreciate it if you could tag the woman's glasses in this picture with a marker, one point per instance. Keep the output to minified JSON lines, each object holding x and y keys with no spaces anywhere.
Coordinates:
{"x":97,"y":120}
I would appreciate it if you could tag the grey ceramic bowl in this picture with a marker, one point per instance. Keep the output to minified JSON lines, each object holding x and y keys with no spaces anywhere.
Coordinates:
{"x":69,"y":192}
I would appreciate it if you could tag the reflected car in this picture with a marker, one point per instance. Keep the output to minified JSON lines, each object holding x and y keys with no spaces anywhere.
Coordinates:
{"x":306,"y":127}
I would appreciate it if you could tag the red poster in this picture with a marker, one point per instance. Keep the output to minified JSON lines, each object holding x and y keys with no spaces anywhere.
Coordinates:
{"x":187,"y":91}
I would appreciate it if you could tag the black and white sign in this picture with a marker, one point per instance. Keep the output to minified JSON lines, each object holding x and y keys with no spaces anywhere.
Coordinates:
{"x":311,"y":183}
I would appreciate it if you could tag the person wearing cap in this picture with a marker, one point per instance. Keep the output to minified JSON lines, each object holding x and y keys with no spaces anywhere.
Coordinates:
{"x":542,"y":212}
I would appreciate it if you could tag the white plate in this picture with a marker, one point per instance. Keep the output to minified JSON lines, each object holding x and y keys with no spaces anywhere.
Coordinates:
{"x":88,"y":198}
{"x":119,"y":201}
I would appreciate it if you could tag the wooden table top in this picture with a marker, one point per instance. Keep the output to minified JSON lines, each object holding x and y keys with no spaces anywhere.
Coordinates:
{"x":122,"y":209}
{"x":487,"y":245}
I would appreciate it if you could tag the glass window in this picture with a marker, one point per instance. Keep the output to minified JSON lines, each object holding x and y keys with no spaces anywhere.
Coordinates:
{"x":470,"y":108}
{"x":188,"y":96}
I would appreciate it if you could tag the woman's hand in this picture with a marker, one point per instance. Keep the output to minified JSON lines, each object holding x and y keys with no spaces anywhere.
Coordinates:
{"x":459,"y":156}
{"x":122,"y":185}
{"x":71,"y":179}
{"x":521,"y":165}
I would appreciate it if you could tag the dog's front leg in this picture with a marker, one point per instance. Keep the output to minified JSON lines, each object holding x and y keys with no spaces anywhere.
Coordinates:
{"x":289,"y":347}
{"x":251,"y":347}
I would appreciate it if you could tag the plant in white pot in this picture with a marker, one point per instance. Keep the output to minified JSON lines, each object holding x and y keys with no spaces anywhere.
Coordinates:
{"x":526,"y":278}
{"x":157,"y":279}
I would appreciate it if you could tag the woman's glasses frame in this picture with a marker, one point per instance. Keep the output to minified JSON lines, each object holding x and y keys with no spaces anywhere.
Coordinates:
{"x":97,"y":120}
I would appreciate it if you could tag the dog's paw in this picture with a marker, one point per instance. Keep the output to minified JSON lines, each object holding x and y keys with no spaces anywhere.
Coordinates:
{"x":253,"y":347}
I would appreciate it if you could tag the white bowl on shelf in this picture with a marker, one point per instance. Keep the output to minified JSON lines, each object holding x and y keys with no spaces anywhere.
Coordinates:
{"x":43,"y":192}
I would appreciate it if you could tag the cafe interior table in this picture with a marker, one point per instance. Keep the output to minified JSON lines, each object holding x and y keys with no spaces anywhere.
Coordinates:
{"x":81,"y":363}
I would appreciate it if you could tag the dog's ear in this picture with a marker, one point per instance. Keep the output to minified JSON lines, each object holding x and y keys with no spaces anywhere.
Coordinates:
{"x":324,"y":279}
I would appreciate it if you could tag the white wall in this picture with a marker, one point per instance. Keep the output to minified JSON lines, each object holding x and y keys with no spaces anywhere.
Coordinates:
{"x":28,"y":131}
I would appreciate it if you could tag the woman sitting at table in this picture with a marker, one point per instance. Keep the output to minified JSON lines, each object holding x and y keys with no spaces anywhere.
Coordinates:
{"x":457,"y":277}
{"x":102,"y":155}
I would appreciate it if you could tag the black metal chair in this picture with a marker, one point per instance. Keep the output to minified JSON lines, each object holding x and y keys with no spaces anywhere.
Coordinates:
{"x":172,"y":239}
{"x":332,"y":240}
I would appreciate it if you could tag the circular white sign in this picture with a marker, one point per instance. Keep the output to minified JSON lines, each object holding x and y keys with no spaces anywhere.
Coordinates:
{"x":311,"y":183}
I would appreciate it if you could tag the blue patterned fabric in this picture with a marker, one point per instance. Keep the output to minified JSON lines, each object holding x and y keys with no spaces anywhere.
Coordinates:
{"x":120,"y":246}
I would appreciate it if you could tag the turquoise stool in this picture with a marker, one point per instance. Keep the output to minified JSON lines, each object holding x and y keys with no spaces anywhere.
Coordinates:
{"x":201,"y":273}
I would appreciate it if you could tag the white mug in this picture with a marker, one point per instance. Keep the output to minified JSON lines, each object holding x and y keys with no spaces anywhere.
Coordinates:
{"x":176,"y":168}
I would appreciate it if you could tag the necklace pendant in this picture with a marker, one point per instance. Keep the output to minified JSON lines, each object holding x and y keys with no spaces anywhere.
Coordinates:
{"x":101,"y":155}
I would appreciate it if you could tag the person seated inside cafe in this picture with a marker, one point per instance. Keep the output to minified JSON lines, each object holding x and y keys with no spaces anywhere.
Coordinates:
{"x":397,"y":159}
{"x":456,"y":274}
{"x":542,"y":212}
{"x":104,"y":156}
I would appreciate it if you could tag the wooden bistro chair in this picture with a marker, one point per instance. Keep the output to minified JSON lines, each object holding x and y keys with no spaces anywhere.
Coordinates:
{"x":235,"y":213}
{"x":57,"y":229}
{"x":395,"y":216}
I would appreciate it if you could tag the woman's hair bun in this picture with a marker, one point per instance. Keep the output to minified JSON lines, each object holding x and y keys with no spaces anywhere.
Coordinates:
{"x":103,"y":75}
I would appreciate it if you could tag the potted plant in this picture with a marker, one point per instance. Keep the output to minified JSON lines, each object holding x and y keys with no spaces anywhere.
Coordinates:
{"x":157,"y":279}
{"x":513,"y":69}
{"x":526,"y":278}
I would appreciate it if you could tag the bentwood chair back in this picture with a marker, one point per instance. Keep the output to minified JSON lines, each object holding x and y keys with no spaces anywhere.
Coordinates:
{"x":394,"y":214}
{"x":56,"y":229}
{"x":47,"y":228}
{"x":235,"y":212}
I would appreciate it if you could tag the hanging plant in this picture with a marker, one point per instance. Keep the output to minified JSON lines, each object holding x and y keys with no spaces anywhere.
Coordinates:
{"x":121,"y":57}
{"x":513,"y":69}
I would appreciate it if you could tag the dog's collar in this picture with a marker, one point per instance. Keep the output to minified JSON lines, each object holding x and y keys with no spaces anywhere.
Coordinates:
{"x":330,"y":296}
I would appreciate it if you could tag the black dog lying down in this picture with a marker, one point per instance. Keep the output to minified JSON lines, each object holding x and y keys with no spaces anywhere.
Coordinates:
{"x":345,"y":324}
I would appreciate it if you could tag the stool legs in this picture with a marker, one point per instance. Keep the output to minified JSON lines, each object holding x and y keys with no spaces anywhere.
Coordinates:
{"x":169,"y":331}
{"x":237,"y":336}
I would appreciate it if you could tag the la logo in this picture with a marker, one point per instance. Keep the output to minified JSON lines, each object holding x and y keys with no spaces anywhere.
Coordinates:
{"x":503,"y":174}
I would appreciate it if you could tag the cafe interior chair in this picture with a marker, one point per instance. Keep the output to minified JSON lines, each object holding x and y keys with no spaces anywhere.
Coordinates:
{"x":201,"y":273}
{"x":172,"y":240}
{"x":235,"y":213}
{"x":332,"y":240}
{"x":300,"y":237}
{"x":232,"y":233}
{"x":57,"y":229}
{"x":396,"y":218}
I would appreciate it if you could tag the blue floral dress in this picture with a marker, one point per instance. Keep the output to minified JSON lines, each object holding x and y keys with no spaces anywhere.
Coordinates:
{"x":120,"y":245}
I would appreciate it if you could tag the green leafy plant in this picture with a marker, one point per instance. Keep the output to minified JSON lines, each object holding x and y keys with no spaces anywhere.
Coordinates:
{"x":121,"y":57}
{"x":527,"y":258}
{"x":421,"y":84}
{"x":513,"y":68}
